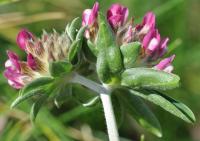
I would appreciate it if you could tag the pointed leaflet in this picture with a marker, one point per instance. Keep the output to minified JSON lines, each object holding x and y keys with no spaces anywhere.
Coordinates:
{"x":167,"y":103}
{"x":36,"y":87}
{"x":72,"y":28}
{"x":140,"y":111}
{"x":149,"y":78}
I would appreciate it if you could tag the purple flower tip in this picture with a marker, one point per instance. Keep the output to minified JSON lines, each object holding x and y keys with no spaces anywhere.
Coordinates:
{"x":31,"y":62}
{"x":22,"y":38}
{"x":148,"y":24}
{"x":117,"y":15}
{"x":90,"y":15}
{"x":165,"y":64}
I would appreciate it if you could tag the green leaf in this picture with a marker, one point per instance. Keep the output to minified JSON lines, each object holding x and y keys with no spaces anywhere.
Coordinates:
{"x":102,"y":67}
{"x":167,"y":103}
{"x":73,"y":28}
{"x":80,"y":33}
{"x":35,"y":88}
{"x":92,"y":101}
{"x":73,"y":50}
{"x":119,"y":109}
{"x":37,"y":106}
{"x":36,"y":84}
{"x":60,"y":67}
{"x":130,"y":53}
{"x":19,"y":99}
{"x":92,"y":47}
{"x":105,"y":36}
{"x":141,"y":112}
{"x":106,"y":43}
{"x":149,"y":78}
{"x":114,"y":59}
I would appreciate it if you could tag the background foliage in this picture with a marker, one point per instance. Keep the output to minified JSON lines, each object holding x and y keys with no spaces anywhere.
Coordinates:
{"x":178,"y":19}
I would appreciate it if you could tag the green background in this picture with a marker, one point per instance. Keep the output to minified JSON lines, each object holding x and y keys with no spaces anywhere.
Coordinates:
{"x":177,"y":19}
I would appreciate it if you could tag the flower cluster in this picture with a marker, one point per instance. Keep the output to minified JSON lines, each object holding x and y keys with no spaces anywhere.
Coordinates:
{"x":40,"y":52}
{"x":153,"y":47}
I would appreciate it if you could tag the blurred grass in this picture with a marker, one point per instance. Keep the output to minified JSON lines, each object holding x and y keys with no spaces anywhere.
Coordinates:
{"x":178,"y":19}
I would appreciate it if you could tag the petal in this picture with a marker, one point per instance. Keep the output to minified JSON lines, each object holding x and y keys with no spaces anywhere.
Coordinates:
{"x":149,"y":20}
{"x":163,"y":64}
{"x":13,"y":60}
{"x":22,"y":38}
{"x":31,"y":62}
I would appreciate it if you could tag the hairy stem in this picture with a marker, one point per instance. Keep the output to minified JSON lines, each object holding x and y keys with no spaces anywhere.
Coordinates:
{"x":106,"y":102}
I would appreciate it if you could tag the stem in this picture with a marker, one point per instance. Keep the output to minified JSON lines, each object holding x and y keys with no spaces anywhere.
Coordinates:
{"x":106,"y":101}
{"x":76,"y":78}
{"x":110,"y":117}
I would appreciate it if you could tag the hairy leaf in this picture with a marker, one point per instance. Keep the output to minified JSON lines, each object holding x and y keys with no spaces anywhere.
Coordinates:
{"x":130,"y":53}
{"x":149,"y":78}
{"x":167,"y":103}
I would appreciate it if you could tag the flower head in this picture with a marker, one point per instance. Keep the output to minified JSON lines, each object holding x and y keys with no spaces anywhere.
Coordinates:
{"x":40,"y":52}
{"x":117,"y":16}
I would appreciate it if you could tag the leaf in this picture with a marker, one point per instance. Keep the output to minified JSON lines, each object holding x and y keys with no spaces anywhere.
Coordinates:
{"x":102,"y":67}
{"x":106,"y":43}
{"x":149,"y":78}
{"x":19,"y":99}
{"x":73,"y":50}
{"x":130,"y":53}
{"x":119,"y":109}
{"x":60,"y":67}
{"x":80,"y":33}
{"x":37,"y":83}
{"x":73,"y":28}
{"x":105,"y":36}
{"x":141,"y":112}
{"x":167,"y":103}
{"x":37,"y":106}
{"x":92,"y":101}
{"x":35,"y":88}
{"x":92,"y":47}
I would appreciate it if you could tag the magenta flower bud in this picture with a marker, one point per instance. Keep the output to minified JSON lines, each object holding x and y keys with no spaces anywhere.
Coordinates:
{"x":147,"y":24}
{"x":22,"y":38}
{"x":13,"y":61}
{"x":89,"y":18}
{"x":151,"y":41}
{"x":163,"y":47}
{"x":165,"y":64}
{"x":31,"y":62}
{"x":117,"y":15}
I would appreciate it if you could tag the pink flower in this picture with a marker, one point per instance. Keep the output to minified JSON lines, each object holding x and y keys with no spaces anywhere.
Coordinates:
{"x":165,"y":64}
{"x":151,"y":41}
{"x":13,"y":71}
{"x":22,"y":38}
{"x":153,"y":45}
{"x":89,"y":18}
{"x":117,"y":15}
{"x":147,"y":24}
